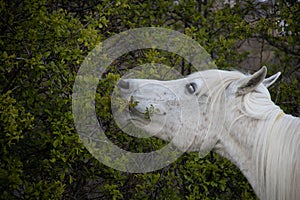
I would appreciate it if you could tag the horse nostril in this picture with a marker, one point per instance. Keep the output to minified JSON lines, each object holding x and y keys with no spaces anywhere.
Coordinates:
{"x":123,"y":84}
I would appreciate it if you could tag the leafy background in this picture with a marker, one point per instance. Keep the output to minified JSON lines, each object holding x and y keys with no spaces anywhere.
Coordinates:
{"x":42,"y":46}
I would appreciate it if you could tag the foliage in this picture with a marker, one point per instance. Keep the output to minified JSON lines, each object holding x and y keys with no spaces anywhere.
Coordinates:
{"x":42,"y":46}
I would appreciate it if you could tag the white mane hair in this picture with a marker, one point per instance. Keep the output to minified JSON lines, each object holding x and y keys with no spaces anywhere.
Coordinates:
{"x":277,"y":161}
{"x":276,"y":147}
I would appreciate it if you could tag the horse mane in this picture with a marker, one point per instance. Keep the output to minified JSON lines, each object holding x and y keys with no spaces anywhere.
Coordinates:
{"x":277,"y":157}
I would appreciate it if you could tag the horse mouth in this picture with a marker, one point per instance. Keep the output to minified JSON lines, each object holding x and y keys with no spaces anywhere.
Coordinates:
{"x":138,"y":116}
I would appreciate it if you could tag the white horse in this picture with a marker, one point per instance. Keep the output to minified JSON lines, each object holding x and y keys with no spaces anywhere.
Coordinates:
{"x":227,"y":112}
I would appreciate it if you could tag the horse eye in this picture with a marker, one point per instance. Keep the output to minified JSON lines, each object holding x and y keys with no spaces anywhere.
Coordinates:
{"x":191,"y":87}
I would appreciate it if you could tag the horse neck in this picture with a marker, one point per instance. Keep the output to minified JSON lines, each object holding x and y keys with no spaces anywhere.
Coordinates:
{"x":260,"y":148}
{"x":237,"y":142}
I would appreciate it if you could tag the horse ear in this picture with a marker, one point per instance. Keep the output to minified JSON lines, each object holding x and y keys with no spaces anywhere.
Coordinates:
{"x":248,"y":84}
{"x":269,"y":81}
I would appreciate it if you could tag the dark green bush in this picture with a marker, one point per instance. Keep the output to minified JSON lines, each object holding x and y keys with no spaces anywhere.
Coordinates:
{"x":42,"y":46}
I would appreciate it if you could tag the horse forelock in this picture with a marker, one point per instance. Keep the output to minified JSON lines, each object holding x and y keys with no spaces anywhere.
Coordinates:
{"x":258,"y":104}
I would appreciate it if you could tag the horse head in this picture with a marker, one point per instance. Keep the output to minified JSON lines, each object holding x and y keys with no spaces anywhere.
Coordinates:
{"x":190,"y":112}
